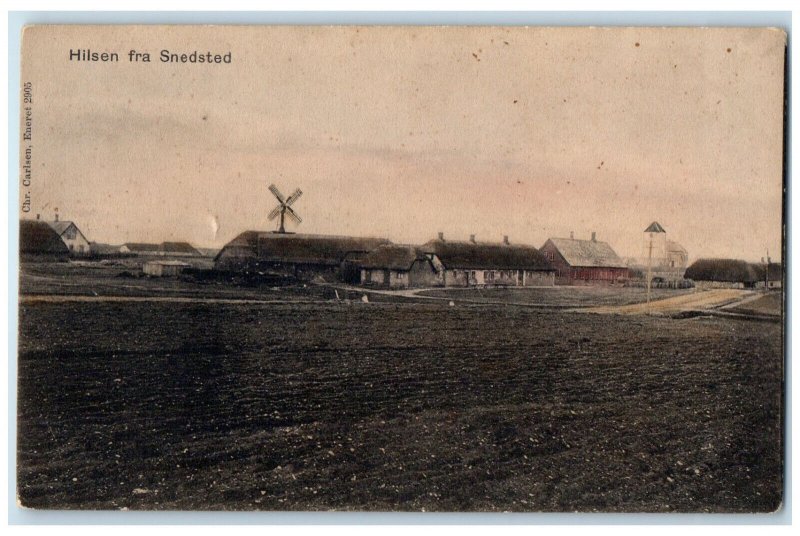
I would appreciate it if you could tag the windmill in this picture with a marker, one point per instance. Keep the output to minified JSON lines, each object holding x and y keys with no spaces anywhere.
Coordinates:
{"x":284,"y":208}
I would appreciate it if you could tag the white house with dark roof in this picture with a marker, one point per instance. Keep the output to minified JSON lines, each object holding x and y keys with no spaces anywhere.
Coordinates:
{"x":73,"y":238}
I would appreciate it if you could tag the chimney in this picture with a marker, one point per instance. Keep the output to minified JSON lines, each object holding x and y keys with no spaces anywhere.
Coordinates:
{"x":38,"y":216}
{"x":56,"y":216}
{"x":441,"y":236}
{"x":572,"y":235}
{"x":594,"y":236}
{"x":505,"y":239}
{"x":472,"y":238}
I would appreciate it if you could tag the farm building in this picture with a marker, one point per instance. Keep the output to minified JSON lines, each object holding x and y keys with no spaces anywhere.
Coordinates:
{"x":39,"y":242}
{"x":770,"y":275}
{"x":164,"y":249}
{"x":106,"y":250}
{"x":72,"y":236}
{"x":138,"y":248}
{"x":304,"y":256}
{"x":397,"y":266}
{"x":164,"y":268}
{"x":584,"y":261}
{"x":731,"y":273}
{"x":491,"y":264}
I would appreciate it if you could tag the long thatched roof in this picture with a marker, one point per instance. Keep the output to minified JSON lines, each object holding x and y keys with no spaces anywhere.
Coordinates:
{"x":179,"y":247}
{"x":298,"y":248}
{"x":393,"y":257}
{"x":37,"y":237}
{"x":722,"y":270}
{"x":164,"y":247}
{"x":487,"y":256}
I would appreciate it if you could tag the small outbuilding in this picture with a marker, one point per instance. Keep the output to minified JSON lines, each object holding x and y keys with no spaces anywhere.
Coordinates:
{"x":400,"y":266}
{"x":770,"y":276}
{"x":164,"y":268}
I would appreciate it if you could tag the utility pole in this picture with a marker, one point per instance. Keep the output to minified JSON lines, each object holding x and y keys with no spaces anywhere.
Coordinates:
{"x":649,"y":269}
{"x":766,"y":271}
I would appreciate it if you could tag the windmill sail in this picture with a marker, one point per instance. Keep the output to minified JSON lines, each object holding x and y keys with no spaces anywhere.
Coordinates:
{"x":277,"y":193}
{"x":294,"y":197}
{"x":293,"y":215}
{"x":284,"y":209}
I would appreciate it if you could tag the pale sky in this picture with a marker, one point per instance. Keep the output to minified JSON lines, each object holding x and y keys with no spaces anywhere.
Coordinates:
{"x":402,"y":132}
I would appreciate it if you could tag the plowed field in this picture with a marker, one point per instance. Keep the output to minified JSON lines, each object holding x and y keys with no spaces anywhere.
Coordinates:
{"x":385,"y":406}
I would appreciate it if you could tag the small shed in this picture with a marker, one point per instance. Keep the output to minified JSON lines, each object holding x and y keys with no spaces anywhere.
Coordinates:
{"x":164,"y":268}
{"x":770,"y":275}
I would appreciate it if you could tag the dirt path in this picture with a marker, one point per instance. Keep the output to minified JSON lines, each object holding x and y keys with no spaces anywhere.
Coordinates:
{"x":404,"y":293}
{"x":416,"y":293}
{"x":696,"y":301}
{"x":62,"y":298}
{"x":755,"y":296}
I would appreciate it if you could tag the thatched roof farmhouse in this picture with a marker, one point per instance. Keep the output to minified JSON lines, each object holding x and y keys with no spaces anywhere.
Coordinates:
{"x":400,"y":266}
{"x":38,"y":241}
{"x":490,"y":263}
{"x":302,"y":255}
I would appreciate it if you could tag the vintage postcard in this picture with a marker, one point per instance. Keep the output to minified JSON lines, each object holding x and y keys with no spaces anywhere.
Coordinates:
{"x":454,"y":269}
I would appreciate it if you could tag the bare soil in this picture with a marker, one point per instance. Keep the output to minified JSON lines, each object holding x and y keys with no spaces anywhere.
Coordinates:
{"x":556,"y":297}
{"x":694,"y":301}
{"x":386,"y":406}
{"x":770,"y":304}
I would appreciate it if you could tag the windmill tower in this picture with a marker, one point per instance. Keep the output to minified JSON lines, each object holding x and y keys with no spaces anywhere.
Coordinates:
{"x":284,"y":208}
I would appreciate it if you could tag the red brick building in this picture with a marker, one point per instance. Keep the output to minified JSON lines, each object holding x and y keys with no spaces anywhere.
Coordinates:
{"x":581,"y":262}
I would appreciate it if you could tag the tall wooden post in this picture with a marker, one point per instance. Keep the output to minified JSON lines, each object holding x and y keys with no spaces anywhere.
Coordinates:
{"x":766,"y":271}
{"x":649,"y":269}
